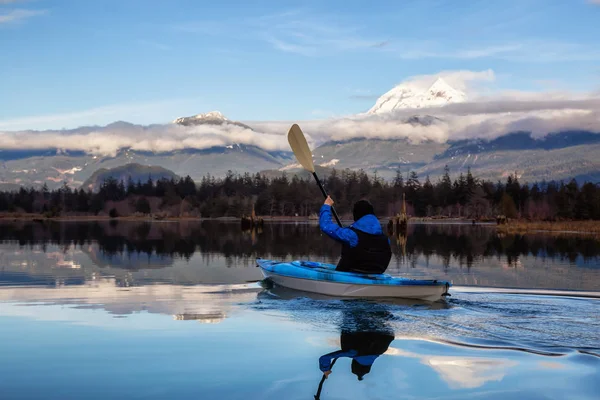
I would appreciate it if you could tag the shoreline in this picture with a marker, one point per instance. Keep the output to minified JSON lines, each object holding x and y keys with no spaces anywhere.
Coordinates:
{"x":92,"y":218}
{"x":384,"y":219}
{"x":513,"y":227}
{"x":563,"y":227}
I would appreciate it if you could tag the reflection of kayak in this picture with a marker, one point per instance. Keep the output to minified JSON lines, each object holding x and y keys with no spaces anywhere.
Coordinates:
{"x":322,"y":278}
{"x":276,"y":292}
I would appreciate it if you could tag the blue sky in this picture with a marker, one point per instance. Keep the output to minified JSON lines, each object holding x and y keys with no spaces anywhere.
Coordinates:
{"x":71,"y":62}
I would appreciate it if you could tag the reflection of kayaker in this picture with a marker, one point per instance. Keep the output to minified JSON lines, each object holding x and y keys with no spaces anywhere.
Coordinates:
{"x":365,"y":248}
{"x":362,"y":347}
{"x":365,"y":335}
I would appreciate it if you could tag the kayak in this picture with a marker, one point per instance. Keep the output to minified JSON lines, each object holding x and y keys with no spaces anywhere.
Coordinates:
{"x":317,"y":277}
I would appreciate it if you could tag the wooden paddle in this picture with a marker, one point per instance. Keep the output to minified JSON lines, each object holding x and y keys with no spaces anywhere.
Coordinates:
{"x":304,"y":156}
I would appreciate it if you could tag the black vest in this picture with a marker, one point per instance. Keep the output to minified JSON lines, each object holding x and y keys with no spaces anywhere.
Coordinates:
{"x":366,"y":343}
{"x":371,"y":256}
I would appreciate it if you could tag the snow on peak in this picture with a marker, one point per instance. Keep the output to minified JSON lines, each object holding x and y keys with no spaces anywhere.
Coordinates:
{"x":209,"y":117}
{"x":408,"y":95}
{"x":212,"y":114}
{"x":290,"y":167}
{"x":441,"y":93}
{"x":331,"y":163}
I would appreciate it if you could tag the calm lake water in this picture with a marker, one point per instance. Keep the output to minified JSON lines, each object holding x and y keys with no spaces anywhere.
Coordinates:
{"x":166,"y":310}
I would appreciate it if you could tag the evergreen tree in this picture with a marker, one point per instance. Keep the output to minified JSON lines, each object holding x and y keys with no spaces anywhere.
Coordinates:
{"x":508,"y":207}
{"x":130,"y":186}
{"x":427,"y":203}
{"x":445,"y":189}
{"x":142,"y":205}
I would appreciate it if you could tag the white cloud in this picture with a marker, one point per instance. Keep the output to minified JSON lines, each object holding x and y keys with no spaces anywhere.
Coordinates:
{"x":293,"y":31}
{"x":107,"y":141}
{"x":301,"y":33}
{"x":492,"y":34}
{"x":527,"y":50}
{"x":487,"y":116}
{"x":596,"y":2}
{"x":480,"y":117}
{"x":458,"y":79}
{"x":18,"y":14}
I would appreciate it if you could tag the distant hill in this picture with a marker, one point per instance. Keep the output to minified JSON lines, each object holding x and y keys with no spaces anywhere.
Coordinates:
{"x":75,"y":169}
{"x":9,"y":187}
{"x":135,"y":171}
{"x":383,"y":156}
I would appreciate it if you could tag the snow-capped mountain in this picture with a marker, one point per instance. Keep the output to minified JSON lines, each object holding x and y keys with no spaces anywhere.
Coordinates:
{"x":211,"y":118}
{"x":408,"y":95}
{"x":214,"y":117}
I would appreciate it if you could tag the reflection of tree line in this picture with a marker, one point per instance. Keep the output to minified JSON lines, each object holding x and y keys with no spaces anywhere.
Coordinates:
{"x":181,"y":239}
{"x":463,"y":243}
{"x":467,"y":244}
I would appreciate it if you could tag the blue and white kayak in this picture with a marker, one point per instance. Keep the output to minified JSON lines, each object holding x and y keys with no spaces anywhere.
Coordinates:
{"x":316,"y":277}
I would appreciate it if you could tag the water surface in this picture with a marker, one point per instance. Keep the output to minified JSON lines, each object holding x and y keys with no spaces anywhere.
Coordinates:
{"x":175,"y":310}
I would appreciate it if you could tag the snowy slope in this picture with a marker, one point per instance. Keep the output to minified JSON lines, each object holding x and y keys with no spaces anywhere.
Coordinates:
{"x":211,"y":118}
{"x":408,"y":95}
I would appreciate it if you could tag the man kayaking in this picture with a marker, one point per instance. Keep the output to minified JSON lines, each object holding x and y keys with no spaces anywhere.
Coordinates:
{"x":365,"y":248}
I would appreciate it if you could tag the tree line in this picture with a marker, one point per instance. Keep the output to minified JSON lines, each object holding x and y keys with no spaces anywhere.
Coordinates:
{"x":236,"y":195}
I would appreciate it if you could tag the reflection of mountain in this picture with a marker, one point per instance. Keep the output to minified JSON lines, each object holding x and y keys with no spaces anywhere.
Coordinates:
{"x":39,"y":265}
{"x":209,"y":318}
{"x":210,"y":304}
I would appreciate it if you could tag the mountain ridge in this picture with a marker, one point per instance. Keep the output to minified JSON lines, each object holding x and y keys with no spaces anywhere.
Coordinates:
{"x":557,"y":155}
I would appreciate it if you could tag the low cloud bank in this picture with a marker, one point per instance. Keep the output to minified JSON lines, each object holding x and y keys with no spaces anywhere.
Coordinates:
{"x":486,"y":117}
{"x":161,"y":138}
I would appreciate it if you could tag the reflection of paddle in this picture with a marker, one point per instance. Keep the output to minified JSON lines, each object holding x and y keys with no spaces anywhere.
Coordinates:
{"x":304,"y":156}
{"x":318,"y":395}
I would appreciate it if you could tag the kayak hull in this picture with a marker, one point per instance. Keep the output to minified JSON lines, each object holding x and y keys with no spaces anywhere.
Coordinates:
{"x":322,"y":278}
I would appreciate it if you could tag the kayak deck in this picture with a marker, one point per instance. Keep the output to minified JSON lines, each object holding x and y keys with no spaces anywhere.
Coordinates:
{"x":322,"y":278}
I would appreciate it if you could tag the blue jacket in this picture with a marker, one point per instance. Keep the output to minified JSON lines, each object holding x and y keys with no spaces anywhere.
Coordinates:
{"x":325,"y":360}
{"x":368,"y":224}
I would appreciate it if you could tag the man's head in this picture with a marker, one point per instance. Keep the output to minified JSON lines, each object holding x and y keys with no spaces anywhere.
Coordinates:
{"x":360,"y":370}
{"x":362,"y":208}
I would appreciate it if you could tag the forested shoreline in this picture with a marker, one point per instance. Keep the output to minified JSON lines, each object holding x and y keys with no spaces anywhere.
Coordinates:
{"x":463,"y":196}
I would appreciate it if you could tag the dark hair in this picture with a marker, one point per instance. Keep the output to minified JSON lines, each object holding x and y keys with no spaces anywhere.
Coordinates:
{"x":360,"y":370}
{"x":362,"y":208}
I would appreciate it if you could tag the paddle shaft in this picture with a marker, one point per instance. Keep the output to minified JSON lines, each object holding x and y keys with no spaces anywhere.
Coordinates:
{"x":325,"y":194}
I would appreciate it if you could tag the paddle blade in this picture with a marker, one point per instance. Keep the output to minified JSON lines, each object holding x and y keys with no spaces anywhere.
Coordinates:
{"x":300,"y":148}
